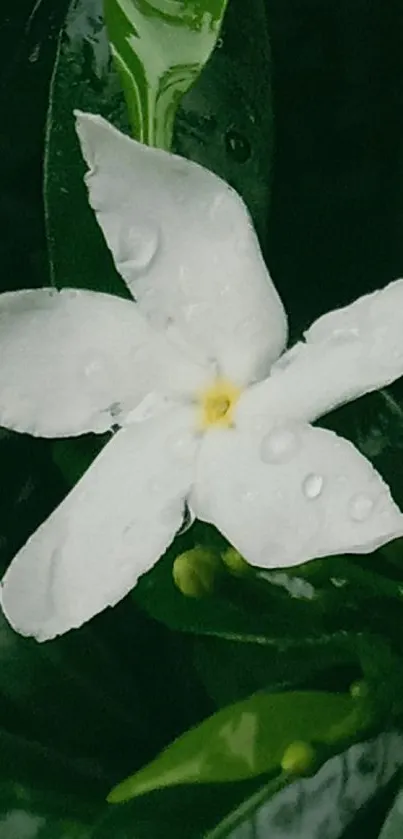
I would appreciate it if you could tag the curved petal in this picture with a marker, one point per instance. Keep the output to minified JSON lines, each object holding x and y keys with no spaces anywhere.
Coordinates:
{"x":346,"y":353}
{"x":292,"y":495}
{"x":111,"y":528}
{"x":77,"y":361}
{"x":184,"y":243}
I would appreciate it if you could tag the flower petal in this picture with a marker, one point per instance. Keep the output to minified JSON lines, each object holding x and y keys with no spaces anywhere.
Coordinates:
{"x":292,"y":495}
{"x":77,"y":361}
{"x":347,"y":353}
{"x":183,"y":241}
{"x":111,"y":528}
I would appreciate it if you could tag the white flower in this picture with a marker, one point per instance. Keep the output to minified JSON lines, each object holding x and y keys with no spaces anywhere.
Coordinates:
{"x":209,"y":414}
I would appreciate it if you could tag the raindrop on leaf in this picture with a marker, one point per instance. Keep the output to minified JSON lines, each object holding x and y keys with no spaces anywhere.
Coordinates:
{"x":237,"y":146}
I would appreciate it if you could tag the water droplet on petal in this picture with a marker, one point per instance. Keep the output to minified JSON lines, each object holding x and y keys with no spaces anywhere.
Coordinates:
{"x":312,"y":485}
{"x":361,"y":506}
{"x":178,"y":443}
{"x":279,"y":446}
{"x":97,"y":373}
{"x":345,"y":335}
{"x":225,"y":290}
{"x":195,"y":312}
{"x":248,"y":328}
{"x":397,"y":354}
{"x":71,"y":293}
{"x":249,"y":496}
{"x":139,"y":246}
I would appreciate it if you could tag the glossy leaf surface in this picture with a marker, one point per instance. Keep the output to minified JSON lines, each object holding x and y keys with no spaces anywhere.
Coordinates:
{"x":159,"y":49}
{"x":247,"y":739}
{"x":242,"y":811}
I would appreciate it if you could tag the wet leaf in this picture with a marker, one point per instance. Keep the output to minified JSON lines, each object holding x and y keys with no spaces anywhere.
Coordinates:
{"x":28,"y":38}
{"x":159,"y":50}
{"x":248,"y":739}
{"x":322,"y":805}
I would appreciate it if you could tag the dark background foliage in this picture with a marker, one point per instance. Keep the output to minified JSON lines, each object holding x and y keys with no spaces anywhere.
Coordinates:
{"x":78,"y":714}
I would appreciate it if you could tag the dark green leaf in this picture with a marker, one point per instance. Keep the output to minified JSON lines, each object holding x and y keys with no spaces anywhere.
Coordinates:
{"x":28,"y":38}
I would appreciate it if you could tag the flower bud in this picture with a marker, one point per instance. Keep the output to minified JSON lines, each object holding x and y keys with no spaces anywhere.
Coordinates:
{"x":195,"y":572}
{"x":235,"y":563}
{"x":299,"y":758}
{"x":359,"y":690}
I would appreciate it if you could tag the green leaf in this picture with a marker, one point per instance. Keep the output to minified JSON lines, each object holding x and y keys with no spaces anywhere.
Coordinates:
{"x":232,"y":670}
{"x":313,"y":614}
{"x":28,"y":40}
{"x":159,"y":50}
{"x":184,"y":812}
{"x":247,"y":739}
{"x":322,"y":805}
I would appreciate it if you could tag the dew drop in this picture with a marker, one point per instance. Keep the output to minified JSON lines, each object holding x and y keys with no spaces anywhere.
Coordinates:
{"x":312,"y":486}
{"x":361,"y":506}
{"x":178,"y":443}
{"x":237,"y":146}
{"x":218,"y":206}
{"x":140,"y":246}
{"x":249,"y":496}
{"x":195,"y":312}
{"x":345,"y":335}
{"x":96,"y":373}
{"x":279,"y":446}
{"x":248,"y":328}
{"x":338,"y":582}
{"x":225,"y":290}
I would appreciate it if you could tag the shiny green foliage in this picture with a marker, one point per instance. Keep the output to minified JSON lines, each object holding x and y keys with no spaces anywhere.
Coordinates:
{"x":249,"y":739}
{"x":160,"y":47}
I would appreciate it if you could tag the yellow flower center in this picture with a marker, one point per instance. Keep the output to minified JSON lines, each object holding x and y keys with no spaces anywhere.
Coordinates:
{"x":217,"y":404}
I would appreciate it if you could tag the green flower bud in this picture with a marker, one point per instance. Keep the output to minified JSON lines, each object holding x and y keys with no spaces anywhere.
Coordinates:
{"x":359,"y":690}
{"x":235,"y":563}
{"x":195,"y":572}
{"x":299,"y":758}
